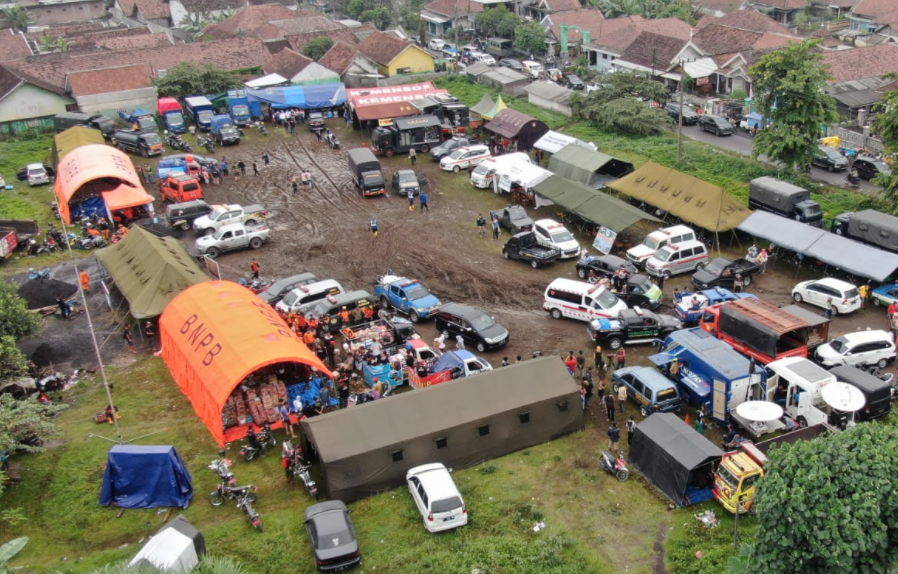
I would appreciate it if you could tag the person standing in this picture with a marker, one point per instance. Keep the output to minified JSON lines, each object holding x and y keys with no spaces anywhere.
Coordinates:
{"x":294,"y":184}
{"x":481,"y":225}
{"x":609,"y":406}
{"x":85,"y":282}
{"x":373,"y":224}
{"x":581,"y":363}
{"x":621,"y":397}
{"x":459,"y":343}
{"x":423,"y":198}
{"x":129,"y":339}
{"x":661,"y":281}
{"x":762,"y":260}
{"x":411,"y":200}
{"x":599,"y":359}
{"x":614,"y":437}
{"x":224,"y":168}
{"x":63,"y":307}
{"x":864,"y":291}
{"x":255,"y":269}
{"x":587,"y":394}
{"x":631,"y":428}
{"x":308,"y":176}
{"x":343,"y":392}
{"x":621,"y":357}
{"x":266,"y":158}
{"x":255,"y":168}
{"x":571,"y":363}
{"x":828,"y":309}
{"x":241,"y":165}
{"x":285,"y":416}
{"x":413,"y":155}
{"x":495,"y":219}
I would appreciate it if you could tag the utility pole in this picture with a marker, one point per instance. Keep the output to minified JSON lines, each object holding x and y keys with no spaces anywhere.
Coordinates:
{"x":455,"y":29}
{"x":680,"y":120}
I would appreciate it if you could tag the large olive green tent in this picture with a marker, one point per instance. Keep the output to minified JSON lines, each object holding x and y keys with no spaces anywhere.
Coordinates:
{"x":689,"y":198}
{"x":590,"y":204}
{"x":150,"y":271}
{"x":74,"y":137}
{"x":587,"y":166}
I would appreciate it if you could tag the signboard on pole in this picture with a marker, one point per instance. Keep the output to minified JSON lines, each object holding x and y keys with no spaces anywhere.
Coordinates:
{"x":604,"y":240}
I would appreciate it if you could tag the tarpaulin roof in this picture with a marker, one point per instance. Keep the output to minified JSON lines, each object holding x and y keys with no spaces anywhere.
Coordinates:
{"x":578,"y":163}
{"x":836,"y":250}
{"x":269,"y":80}
{"x":511,"y":123}
{"x":497,"y":107}
{"x":687,"y":197}
{"x":150,"y":271}
{"x":216,"y":333}
{"x":74,"y":137}
{"x":590,"y":204}
{"x":553,"y":141}
{"x":390,"y":101}
{"x":666,"y":450}
{"x":314,"y":96}
{"x":146,"y":477}
{"x":484,"y":106}
{"x":524,"y":173}
{"x":90,"y":163}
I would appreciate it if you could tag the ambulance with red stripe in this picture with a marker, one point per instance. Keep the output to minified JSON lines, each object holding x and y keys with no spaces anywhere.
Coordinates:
{"x":581,"y":300}
{"x":675,"y":259}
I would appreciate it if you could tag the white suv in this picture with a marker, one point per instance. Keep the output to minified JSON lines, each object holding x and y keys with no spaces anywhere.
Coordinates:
{"x":36,"y":174}
{"x":438,"y":500}
{"x":463,"y":157}
{"x":844,"y":295}
{"x":858,"y":349}
{"x":550,"y":233}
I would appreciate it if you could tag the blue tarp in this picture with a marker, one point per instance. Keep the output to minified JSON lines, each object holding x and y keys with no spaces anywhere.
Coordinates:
{"x":305,"y":97}
{"x":91,"y":207}
{"x":146,"y":477}
{"x":309,"y":391}
{"x":452,"y":360}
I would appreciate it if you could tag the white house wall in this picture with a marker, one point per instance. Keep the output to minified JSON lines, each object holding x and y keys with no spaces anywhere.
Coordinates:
{"x":27,"y":102}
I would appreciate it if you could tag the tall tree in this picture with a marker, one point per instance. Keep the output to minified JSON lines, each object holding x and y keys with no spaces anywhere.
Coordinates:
{"x":491,"y":20}
{"x":530,"y":37}
{"x":317,"y":47}
{"x":790,"y":89}
{"x":380,"y":17}
{"x":21,"y":420}
{"x":18,"y":17}
{"x":188,"y":79}
{"x":15,"y":319}
{"x":886,"y":125}
{"x":828,"y":505}
{"x":623,"y":105}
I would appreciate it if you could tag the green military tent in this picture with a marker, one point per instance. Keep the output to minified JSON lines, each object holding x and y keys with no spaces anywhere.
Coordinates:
{"x":150,"y":271}
{"x":587,"y":166}
{"x":689,"y":198}
{"x":74,"y":137}
{"x":589,"y":204}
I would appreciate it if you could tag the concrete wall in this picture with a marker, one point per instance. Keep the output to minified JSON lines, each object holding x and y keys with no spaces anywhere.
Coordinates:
{"x":128,"y":99}
{"x":49,"y":14}
{"x":27,"y":102}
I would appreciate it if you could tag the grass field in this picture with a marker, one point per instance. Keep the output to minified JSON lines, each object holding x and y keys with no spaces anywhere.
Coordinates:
{"x":25,"y":202}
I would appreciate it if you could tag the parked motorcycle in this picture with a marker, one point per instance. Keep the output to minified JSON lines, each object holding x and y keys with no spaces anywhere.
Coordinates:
{"x":42,"y":274}
{"x":207,"y":143}
{"x":853,"y":181}
{"x":261,"y":127}
{"x":332,"y":141}
{"x":221,"y":466}
{"x":298,"y":468}
{"x":90,"y":242}
{"x":256,"y":285}
{"x":55,"y":208}
{"x":224,"y":491}
{"x":263,"y":441}
{"x":35,"y":248}
{"x":616,"y":466}
{"x":245,"y":504}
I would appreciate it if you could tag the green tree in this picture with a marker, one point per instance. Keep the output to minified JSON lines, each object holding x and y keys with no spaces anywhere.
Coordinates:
{"x":490,"y":20}
{"x":18,"y":17}
{"x":828,"y":505}
{"x":530,"y":37}
{"x":54,"y":44}
{"x":317,"y":47}
{"x":886,"y":125}
{"x":20,"y":420}
{"x":508,"y":24}
{"x":13,"y":362}
{"x":187,"y":79}
{"x":790,"y":89}
{"x":356,"y":7}
{"x":380,"y":17}
{"x":623,"y":105}
{"x":15,"y":318}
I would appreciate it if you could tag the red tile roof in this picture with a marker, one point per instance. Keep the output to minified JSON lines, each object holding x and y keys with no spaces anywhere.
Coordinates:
{"x":287,"y":63}
{"x":211,"y":5}
{"x":450,"y":8}
{"x":617,"y":34}
{"x":783,"y":4}
{"x":109,"y":80}
{"x":745,"y":20}
{"x":153,"y":9}
{"x":715,"y":39}
{"x":293,"y":26}
{"x":13,"y":45}
{"x":339,"y":57}
{"x":562,"y":5}
{"x":862,"y":63}
{"x":8,"y":81}
{"x":725,"y":6}
{"x":880,"y":11}
{"x":383,"y":48}
{"x":251,"y":21}
{"x":144,"y":41}
{"x":653,"y":50}
{"x":587,"y":19}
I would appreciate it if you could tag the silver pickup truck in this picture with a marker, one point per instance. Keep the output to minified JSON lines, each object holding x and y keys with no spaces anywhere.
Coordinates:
{"x":222,"y":215}
{"x":231,"y":237}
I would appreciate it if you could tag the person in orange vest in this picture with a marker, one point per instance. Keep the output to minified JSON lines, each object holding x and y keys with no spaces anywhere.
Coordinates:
{"x":369,"y":313}
{"x":85,"y":282}
{"x":255,"y":269}
{"x":308,"y":338}
{"x":301,"y":323}
{"x":344,"y":315}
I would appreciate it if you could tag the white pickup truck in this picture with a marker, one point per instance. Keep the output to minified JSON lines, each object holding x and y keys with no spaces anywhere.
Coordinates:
{"x":230,"y":237}
{"x":222,"y":215}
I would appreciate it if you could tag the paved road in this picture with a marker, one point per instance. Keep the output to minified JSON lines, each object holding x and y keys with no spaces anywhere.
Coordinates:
{"x":741,"y":143}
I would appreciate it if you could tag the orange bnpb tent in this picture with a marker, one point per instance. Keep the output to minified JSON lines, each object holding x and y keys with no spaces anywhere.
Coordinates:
{"x":100,"y":169}
{"x":216,"y":333}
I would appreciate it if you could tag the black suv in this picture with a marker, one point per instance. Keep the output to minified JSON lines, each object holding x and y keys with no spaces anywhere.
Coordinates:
{"x":316,"y":121}
{"x":827,"y":157}
{"x":603,"y":265}
{"x":690,"y":118}
{"x":632,"y":326}
{"x":868,"y":167}
{"x":181,"y":215}
{"x":714,"y":124}
{"x":475,"y":327}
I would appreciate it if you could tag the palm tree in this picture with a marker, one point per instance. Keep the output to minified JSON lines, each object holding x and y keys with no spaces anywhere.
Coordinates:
{"x":57,"y":44}
{"x":18,"y":17}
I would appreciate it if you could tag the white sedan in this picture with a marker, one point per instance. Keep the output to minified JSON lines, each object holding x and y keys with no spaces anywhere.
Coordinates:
{"x":843,"y":295}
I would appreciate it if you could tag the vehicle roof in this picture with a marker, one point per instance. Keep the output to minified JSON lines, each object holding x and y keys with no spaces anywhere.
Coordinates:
{"x":715,"y":117}
{"x":460,"y":310}
{"x":475,"y":147}
{"x":867,"y":336}
{"x":35,"y":166}
{"x":292,"y":280}
{"x":233,"y":226}
{"x":318,"y":286}
{"x":675,"y":229}
{"x":832,"y":282}
{"x":648,"y":375}
{"x":435,"y":477}
{"x":804,"y":368}
{"x":859,"y":378}
{"x":406,"y":172}
{"x":182,"y":176}
{"x":572,"y":286}
{"x":683,"y":245}
{"x":549,"y":223}
{"x":187,"y":205}
{"x":327,"y":506}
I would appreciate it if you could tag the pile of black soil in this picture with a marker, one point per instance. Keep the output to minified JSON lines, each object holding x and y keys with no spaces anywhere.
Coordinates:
{"x":43,"y":292}
{"x":43,"y":356}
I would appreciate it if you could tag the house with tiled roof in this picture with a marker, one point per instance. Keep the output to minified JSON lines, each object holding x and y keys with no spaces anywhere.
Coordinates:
{"x":13,"y":45}
{"x":300,"y":70}
{"x":589,"y":19}
{"x":355,"y":69}
{"x":353,"y":36}
{"x":395,"y":57}
{"x":720,"y":7}
{"x":142,"y":11}
{"x":782,"y":11}
{"x":64,"y":11}
{"x":653,"y":54}
{"x":112,"y":88}
{"x":880,"y":16}
{"x":135,"y":42}
{"x":251,"y":21}
{"x":185,"y":11}
{"x":744,"y":20}
{"x":615,"y":35}
{"x":24,"y":103}
{"x":857,"y":76}
{"x":538,"y":9}
{"x":442,"y":15}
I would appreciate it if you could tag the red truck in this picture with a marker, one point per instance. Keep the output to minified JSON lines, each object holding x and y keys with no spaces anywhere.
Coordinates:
{"x":764,"y":331}
{"x":15,"y":232}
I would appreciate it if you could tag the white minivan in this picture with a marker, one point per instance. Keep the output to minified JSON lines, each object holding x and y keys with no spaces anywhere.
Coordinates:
{"x":550,"y":233}
{"x":483,"y":174}
{"x":675,"y":259}
{"x":580,"y":300}
{"x":463,"y":157}
{"x":658,"y":239}
{"x":437,"y":498}
{"x":304,"y":297}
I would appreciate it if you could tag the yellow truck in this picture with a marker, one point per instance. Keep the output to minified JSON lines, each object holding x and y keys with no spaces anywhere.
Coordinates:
{"x":737,"y":477}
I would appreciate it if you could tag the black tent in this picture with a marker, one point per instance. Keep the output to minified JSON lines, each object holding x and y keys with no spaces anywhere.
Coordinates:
{"x":370,"y":447}
{"x":516,"y":126}
{"x":675,"y":458}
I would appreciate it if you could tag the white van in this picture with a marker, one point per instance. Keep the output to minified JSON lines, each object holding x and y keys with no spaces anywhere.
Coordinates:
{"x":532,"y":69}
{"x":658,"y":239}
{"x":581,"y":300}
{"x":436,"y":44}
{"x":550,"y":233}
{"x":675,"y":259}
{"x":463,"y":157}
{"x":483,"y":174}
{"x":485,"y":58}
{"x":302,"y":298}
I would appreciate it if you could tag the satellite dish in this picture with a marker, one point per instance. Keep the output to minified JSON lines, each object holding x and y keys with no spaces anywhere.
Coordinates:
{"x":759,"y":411}
{"x":843,"y":397}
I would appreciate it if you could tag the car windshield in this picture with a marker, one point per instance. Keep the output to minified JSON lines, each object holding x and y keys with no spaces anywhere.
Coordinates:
{"x":36,"y":171}
{"x":663,"y":254}
{"x":481,"y":170}
{"x":651,"y":243}
{"x":417,"y":292}
{"x":715,"y":267}
{"x":456,"y":154}
{"x":408,"y":178}
{"x":482,"y":322}
{"x":728,"y":477}
{"x":839,"y":345}
{"x":606,"y":299}
{"x":831,"y":153}
{"x":813,"y":210}
{"x":646,"y":285}
{"x":666,"y":394}
{"x":446,"y":505}
{"x":562,"y":236}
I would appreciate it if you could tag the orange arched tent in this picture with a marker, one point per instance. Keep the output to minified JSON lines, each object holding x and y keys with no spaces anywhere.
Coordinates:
{"x":89,"y":169}
{"x":214,"y":334}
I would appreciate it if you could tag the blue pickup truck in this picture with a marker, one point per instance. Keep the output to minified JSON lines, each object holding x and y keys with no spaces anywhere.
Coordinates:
{"x":690,"y":309}
{"x":406,"y":296}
